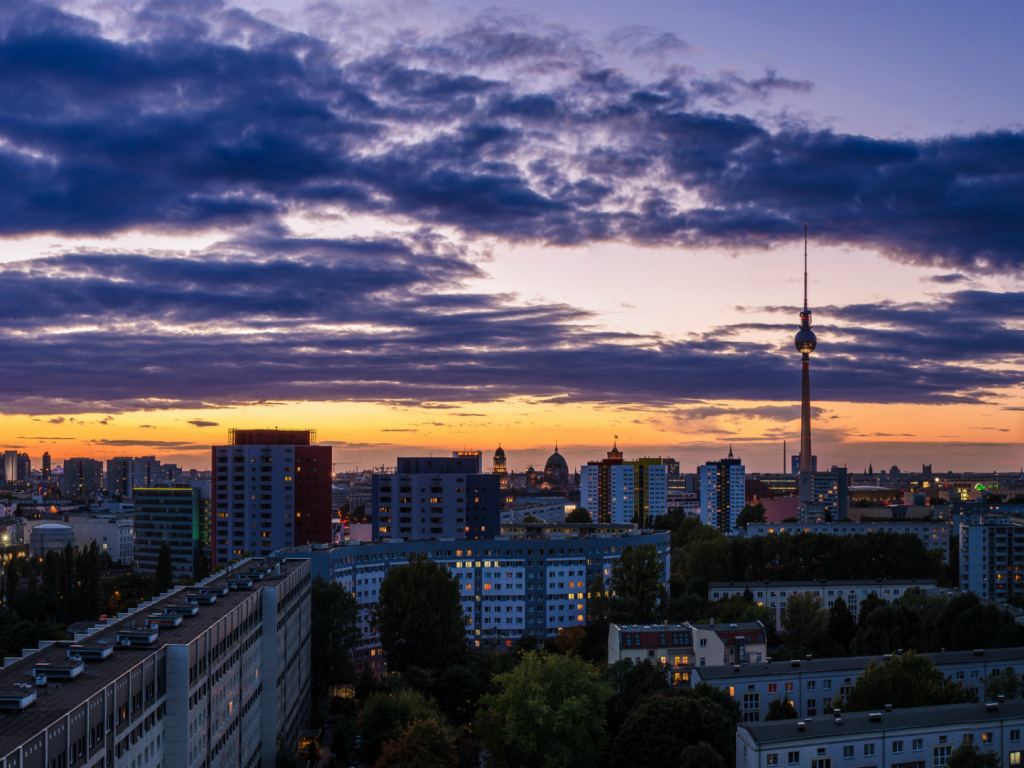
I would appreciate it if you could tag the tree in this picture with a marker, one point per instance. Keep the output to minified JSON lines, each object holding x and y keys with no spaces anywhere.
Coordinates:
{"x":867,"y":605}
{"x":11,"y":575}
{"x":334,"y":633}
{"x":549,"y":711}
{"x":751,"y":513}
{"x":889,"y":628}
{"x":638,"y":581}
{"x":631,"y":683}
{"x":385,"y":716}
{"x":1006,"y":683}
{"x":806,"y":623}
{"x":700,"y":755}
{"x":164,"y":570}
{"x":971,"y":756}
{"x":657,"y":731}
{"x":419,"y":616}
{"x":530,"y":519}
{"x":202,"y":566}
{"x":842,"y":626}
{"x":578,"y":515}
{"x":421,"y":744}
{"x":781,"y":709}
{"x":908,"y":680}
{"x":600,"y":604}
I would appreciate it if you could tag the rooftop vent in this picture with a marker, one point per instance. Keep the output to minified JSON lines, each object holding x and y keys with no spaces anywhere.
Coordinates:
{"x":799,"y":725}
{"x":979,"y":651}
{"x":991,"y":706}
{"x":888,"y":707}
{"x":794,"y":663}
{"x":839,"y":720}
{"x":874,"y":717}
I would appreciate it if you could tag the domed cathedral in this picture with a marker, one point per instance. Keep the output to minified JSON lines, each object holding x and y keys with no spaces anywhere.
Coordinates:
{"x":556,"y":470}
{"x":500,"y":468}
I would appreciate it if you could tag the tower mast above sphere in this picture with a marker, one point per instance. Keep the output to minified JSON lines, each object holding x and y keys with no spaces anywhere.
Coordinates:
{"x":805,"y":342}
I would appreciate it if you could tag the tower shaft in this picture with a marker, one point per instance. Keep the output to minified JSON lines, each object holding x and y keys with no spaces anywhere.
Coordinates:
{"x":805,"y":415}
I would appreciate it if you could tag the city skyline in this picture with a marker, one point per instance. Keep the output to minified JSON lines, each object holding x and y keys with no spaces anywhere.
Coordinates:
{"x":495,"y":229}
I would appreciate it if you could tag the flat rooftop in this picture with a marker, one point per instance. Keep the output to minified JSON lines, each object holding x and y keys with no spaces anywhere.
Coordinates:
{"x":958,"y":716}
{"x":851,"y":663}
{"x":57,"y":699}
{"x":923,"y":583}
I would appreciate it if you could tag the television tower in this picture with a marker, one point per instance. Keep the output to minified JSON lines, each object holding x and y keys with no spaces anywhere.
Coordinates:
{"x":805,"y":342}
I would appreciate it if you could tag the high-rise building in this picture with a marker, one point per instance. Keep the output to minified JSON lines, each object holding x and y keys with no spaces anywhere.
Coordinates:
{"x":10,"y":466}
{"x":500,"y":468}
{"x":437,"y":498}
{"x":621,"y":492}
{"x":178,"y":516}
{"x":722,"y":492}
{"x":829,"y":500}
{"x":82,"y":477}
{"x":794,"y":461}
{"x":218,"y":688}
{"x":272,"y":489}
{"x":46,"y":467}
{"x":24,"y":468}
{"x":992,"y":557}
{"x":120,"y":476}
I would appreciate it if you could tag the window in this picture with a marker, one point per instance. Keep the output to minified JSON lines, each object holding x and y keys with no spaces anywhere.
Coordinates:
{"x":703,"y":642}
{"x":848,"y":752}
{"x":794,"y":758}
{"x":918,"y":745}
{"x":751,"y":707}
{"x":897,"y":747}
{"x":773,"y":759}
{"x":822,"y":762}
{"x":810,"y":685}
{"x":1015,"y":734}
{"x":774,"y":688}
{"x":1015,"y":758}
{"x":789,"y":687}
{"x":986,"y":738}
{"x":940,"y":755}
{"x":812,"y":707}
{"x":869,"y":750}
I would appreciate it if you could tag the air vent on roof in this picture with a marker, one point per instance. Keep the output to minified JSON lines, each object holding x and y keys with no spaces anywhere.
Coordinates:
{"x":799,"y":725}
{"x":839,"y":720}
{"x":736,"y":668}
{"x":794,"y":663}
{"x":874,"y":717}
{"x":991,"y":706}
{"x":979,"y":651}
{"x":888,"y":707}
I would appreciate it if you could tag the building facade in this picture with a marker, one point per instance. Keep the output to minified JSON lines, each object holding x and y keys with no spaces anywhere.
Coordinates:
{"x":992,"y":557}
{"x":437,"y":498}
{"x":921,"y":737}
{"x":722,"y":493}
{"x":178,"y":516}
{"x":271,"y":489}
{"x":773,"y":594}
{"x":934,"y":535}
{"x":683,"y":647}
{"x":154,"y":688}
{"x":620,"y":492}
{"x":82,"y":477}
{"x":815,"y":686}
{"x":510,"y":587}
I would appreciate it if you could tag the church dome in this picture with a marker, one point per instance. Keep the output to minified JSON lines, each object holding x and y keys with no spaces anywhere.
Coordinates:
{"x":556,"y":470}
{"x":500,"y":453}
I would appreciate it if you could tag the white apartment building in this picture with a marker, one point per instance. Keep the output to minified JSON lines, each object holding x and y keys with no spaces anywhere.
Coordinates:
{"x":992,"y":557}
{"x":896,"y":738}
{"x":633,"y":491}
{"x":773,"y":594}
{"x":204,"y":677}
{"x":934,"y":535}
{"x":114,"y":535}
{"x":814,"y":686}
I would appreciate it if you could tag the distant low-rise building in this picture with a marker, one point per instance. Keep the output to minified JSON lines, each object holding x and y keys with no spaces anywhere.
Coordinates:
{"x":934,"y":535}
{"x":774,"y":594}
{"x":684,"y":647}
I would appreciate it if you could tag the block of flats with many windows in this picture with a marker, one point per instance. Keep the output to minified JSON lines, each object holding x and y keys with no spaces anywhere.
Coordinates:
{"x":210,"y":676}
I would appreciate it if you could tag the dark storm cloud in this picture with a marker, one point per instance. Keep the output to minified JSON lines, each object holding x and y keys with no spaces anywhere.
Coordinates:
{"x":198,"y":115}
{"x":391,"y":322}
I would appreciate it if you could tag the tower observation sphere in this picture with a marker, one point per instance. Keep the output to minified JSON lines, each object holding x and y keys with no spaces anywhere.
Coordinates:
{"x":805,"y":340}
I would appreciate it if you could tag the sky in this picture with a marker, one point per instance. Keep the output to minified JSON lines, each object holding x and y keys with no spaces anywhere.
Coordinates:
{"x":419,"y":227}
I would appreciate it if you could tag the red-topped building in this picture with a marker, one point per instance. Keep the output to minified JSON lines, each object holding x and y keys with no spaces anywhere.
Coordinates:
{"x":271,"y":489}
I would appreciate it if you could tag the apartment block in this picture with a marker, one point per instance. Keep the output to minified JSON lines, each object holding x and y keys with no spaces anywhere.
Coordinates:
{"x":722,"y":493}
{"x":209,"y":677}
{"x":178,"y":516}
{"x":896,"y":738}
{"x":992,"y":557}
{"x":272,"y":489}
{"x":773,"y":594}
{"x":82,"y":477}
{"x":934,"y":535}
{"x":534,"y":585}
{"x":437,"y":498}
{"x":620,"y":492}
{"x":682,"y":647}
{"x":815,"y":686}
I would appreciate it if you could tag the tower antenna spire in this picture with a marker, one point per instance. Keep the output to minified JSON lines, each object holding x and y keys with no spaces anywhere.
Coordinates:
{"x":805,"y":265}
